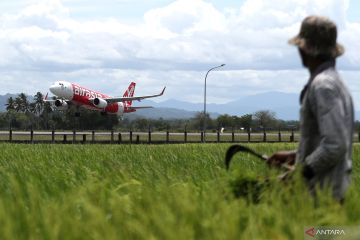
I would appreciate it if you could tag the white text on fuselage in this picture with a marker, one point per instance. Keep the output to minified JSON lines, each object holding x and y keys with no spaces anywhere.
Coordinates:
{"x":85,"y":92}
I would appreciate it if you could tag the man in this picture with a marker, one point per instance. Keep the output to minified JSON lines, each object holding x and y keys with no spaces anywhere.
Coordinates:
{"x":326,"y":115}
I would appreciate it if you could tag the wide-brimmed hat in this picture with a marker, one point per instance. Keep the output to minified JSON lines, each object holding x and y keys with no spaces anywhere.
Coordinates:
{"x":317,"y":37}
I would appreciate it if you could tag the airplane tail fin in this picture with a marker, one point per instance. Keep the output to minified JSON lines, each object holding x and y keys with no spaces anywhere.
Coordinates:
{"x":129,"y":93}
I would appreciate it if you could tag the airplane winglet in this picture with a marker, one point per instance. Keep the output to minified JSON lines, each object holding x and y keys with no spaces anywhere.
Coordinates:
{"x":162,"y":92}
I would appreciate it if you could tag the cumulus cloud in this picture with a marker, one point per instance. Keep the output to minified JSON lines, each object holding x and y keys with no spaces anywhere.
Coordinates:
{"x":186,"y":17}
{"x":185,"y":34}
{"x":172,"y":45}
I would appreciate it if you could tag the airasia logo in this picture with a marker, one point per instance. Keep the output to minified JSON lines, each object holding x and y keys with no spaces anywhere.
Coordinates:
{"x":85,"y":92}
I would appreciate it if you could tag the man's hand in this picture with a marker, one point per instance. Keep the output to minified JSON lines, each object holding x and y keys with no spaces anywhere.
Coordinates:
{"x":282,"y":158}
{"x":307,"y":172}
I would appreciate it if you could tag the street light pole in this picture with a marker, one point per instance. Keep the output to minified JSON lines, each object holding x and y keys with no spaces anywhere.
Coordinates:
{"x":204,"y":127}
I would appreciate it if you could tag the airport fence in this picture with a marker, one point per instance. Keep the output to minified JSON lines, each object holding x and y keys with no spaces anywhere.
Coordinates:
{"x":149,"y":137}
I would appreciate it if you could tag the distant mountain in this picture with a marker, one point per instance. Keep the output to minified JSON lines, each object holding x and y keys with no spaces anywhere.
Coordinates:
{"x":172,"y":103}
{"x":3,"y":100}
{"x":285,"y":105}
{"x":165,"y":113}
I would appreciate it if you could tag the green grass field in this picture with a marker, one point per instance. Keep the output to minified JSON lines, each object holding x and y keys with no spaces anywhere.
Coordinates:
{"x":155,"y":192}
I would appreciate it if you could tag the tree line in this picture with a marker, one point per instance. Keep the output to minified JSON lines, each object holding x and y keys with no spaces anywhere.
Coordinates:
{"x":22,"y":113}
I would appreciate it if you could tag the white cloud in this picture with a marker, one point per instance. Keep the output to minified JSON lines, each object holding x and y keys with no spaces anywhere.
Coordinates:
{"x":262,"y":14}
{"x":173,"y":45}
{"x":186,"y":17}
{"x":350,"y":37}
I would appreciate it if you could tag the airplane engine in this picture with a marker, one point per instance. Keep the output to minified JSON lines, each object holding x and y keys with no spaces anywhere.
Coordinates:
{"x":121,"y":109}
{"x":100,"y":103}
{"x":61,"y":104}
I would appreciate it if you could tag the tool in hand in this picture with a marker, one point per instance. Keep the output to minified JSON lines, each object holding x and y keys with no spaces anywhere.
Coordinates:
{"x":232,"y":150}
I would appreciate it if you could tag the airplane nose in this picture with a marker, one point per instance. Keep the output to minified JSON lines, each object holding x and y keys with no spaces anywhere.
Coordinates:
{"x":53,"y":89}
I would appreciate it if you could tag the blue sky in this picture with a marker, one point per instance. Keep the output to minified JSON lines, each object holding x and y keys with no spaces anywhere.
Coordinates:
{"x":106,"y":44}
{"x":125,"y":9}
{"x":135,"y":9}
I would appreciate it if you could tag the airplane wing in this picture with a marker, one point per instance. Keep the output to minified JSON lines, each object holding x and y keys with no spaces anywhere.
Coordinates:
{"x":45,"y":99}
{"x":59,"y":104}
{"x":49,"y":100}
{"x":141,"y":107}
{"x":124,"y":99}
{"x":52,"y":101}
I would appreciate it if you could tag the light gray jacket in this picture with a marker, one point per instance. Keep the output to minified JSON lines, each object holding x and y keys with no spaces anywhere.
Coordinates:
{"x":326,"y":126}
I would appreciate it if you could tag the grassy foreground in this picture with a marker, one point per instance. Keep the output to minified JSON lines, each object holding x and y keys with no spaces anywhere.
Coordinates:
{"x":154,"y":192}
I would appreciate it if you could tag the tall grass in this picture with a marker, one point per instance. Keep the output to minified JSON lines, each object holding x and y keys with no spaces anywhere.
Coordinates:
{"x":154,"y":192}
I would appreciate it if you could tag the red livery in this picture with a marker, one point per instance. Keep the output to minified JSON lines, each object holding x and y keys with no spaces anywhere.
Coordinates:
{"x":71,"y":93}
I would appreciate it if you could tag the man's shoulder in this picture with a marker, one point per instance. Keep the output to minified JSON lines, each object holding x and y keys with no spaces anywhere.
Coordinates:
{"x":328,"y":78}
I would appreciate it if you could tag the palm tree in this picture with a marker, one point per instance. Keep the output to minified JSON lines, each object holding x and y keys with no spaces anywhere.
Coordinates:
{"x":18,"y":104}
{"x":21,"y":103}
{"x":10,"y":105}
{"x":10,"y":108}
{"x":38,"y":104}
{"x":25,"y":102}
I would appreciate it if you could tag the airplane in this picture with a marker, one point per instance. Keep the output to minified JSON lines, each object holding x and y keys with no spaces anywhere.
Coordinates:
{"x":70,"y":93}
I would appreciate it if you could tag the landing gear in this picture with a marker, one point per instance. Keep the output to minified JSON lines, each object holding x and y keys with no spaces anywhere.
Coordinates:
{"x":77,"y":113}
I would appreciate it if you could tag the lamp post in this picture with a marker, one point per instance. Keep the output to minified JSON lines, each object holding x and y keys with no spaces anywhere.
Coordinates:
{"x":204,"y":130}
